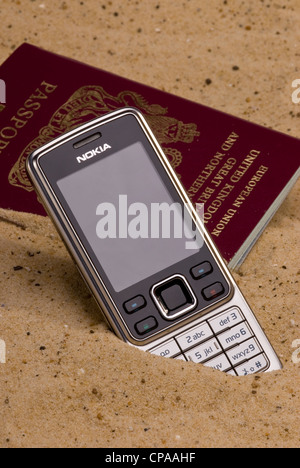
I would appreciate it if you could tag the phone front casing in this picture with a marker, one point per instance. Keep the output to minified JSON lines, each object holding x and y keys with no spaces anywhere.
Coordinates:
{"x":191,"y":310}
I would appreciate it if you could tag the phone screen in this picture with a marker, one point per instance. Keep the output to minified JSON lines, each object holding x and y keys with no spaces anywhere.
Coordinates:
{"x":128,"y":216}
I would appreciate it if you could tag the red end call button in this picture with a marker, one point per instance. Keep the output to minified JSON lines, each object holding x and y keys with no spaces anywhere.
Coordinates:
{"x":213,"y":291}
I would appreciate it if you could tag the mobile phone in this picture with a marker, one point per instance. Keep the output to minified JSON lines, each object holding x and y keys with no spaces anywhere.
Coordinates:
{"x":142,"y":248}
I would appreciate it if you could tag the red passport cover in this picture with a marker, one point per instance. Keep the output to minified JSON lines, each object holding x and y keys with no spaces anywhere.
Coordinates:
{"x":241,"y":171}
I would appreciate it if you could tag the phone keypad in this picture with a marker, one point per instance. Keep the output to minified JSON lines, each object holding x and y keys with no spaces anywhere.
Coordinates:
{"x":224,"y":342}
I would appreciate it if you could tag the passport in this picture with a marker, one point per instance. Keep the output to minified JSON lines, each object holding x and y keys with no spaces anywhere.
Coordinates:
{"x":240,"y":171}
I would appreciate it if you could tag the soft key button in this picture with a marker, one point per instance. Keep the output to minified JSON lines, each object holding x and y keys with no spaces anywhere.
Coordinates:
{"x":168,"y":349}
{"x":135,"y":304}
{"x":213,"y":291}
{"x":228,"y":319}
{"x":147,"y":325}
{"x":200,"y":271}
{"x":194,"y":336}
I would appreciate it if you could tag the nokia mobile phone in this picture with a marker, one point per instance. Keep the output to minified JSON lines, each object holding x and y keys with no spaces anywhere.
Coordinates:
{"x":142,"y":249}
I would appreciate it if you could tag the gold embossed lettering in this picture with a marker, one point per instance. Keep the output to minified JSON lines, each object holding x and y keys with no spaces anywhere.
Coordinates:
{"x":206,"y":195}
{"x":10,"y":132}
{"x":230,"y":141}
{"x":22,"y":112}
{"x":30,"y":104}
{"x":3,"y":144}
{"x":224,"y":221}
{"x":18,"y":122}
{"x":49,"y":88}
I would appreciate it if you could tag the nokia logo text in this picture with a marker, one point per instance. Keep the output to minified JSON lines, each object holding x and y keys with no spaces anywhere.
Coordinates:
{"x":91,"y":154}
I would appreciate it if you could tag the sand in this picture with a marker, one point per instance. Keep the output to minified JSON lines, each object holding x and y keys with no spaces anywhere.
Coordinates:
{"x":67,"y":380}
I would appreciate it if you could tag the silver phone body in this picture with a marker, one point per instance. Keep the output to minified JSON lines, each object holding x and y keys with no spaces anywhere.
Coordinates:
{"x":197,"y":312}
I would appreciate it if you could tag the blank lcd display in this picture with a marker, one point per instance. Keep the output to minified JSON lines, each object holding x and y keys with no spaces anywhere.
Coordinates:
{"x":134,"y":227}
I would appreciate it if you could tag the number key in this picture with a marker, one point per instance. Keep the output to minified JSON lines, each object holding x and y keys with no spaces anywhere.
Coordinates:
{"x":226,"y":320}
{"x":194,"y":336}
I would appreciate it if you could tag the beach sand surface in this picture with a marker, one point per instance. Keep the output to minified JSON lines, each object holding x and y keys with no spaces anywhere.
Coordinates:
{"x":67,"y":380}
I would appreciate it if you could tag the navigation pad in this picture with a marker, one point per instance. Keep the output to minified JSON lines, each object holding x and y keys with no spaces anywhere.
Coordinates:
{"x":174,"y":297}
{"x":176,"y":294}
